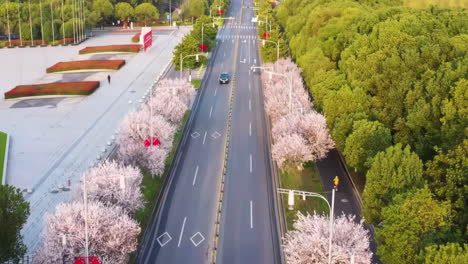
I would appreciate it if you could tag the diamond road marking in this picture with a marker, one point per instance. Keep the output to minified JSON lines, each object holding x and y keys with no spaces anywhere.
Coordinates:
{"x":195,"y":134}
{"x":165,"y":241}
{"x":216,"y":135}
{"x":197,"y":236}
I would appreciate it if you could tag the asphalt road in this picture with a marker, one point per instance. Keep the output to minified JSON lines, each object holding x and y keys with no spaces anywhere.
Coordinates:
{"x":184,"y":229}
{"x":248,"y":231}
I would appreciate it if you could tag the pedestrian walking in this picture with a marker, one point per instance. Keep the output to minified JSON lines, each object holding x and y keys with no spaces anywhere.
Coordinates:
{"x":108,"y":78}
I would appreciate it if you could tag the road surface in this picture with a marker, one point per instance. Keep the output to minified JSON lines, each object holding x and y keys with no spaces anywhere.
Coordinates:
{"x":185,"y":227}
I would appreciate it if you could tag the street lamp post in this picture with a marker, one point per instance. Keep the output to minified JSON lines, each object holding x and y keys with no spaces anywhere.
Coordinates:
{"x":202,"y":35}
{"x":277,"y":46}
{"x":304,"y":194}
{"x":85,"y":194}
{"x":182,"y":61}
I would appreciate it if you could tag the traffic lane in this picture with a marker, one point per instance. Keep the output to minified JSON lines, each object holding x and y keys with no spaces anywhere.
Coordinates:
{"x":177,"y":203}
{"x":246,"y":234}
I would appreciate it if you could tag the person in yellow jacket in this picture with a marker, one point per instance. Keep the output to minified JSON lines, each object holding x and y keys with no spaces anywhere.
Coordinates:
{"x":335,"y":183}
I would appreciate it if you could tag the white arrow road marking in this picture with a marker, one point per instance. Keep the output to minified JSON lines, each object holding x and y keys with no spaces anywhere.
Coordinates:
{"x":164,"y":241}
{"x":195,"y":177}
{"x":182,"y":232}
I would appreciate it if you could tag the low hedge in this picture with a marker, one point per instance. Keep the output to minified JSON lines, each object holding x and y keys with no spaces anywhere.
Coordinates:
{"x":64,"y":88}
{"x":111,"y":48}
{"x":136,"y":38}
{"x":86,"y":65}
{"x":37,"y":42}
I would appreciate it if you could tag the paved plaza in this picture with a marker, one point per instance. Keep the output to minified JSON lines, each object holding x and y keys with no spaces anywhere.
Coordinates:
{"x":55,"y":139}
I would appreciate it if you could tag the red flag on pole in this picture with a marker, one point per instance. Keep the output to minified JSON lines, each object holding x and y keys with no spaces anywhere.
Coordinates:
{"x":203,"y":47}
{"x":266,"y":35}
{"x":220,"y":11}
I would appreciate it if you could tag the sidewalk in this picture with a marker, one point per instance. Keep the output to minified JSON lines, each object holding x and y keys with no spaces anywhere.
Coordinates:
{"x":346,"y":200}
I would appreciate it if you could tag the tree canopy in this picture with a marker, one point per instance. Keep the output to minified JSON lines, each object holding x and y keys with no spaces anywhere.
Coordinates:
{"x":14,"y":211}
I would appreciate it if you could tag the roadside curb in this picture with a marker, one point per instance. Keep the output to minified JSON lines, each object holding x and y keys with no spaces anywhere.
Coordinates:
{"x":5,"y":160}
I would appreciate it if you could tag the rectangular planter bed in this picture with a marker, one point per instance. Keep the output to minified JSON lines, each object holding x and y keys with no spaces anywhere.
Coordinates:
{"x":64,"y":88}
{"x":136,"y":38}
{"x":86,"y":65}
{"x":132,"y":48}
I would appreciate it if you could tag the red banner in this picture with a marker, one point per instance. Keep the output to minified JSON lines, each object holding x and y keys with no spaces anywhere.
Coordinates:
{"x":91,"y":259}
{"x":266,"y":35}
{"x":202,"y":48}
{"x":148,"y":39}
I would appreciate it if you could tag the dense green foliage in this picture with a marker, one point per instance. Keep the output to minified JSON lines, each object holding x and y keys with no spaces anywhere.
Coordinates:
{"x":410,"y":224}
{"x":14,"y":212}
{"x":146,"y":11}
{"x":392,"y":172}
{"x":386,"y":74}
{"x":190,"y":44}
{"x":451,"y":253}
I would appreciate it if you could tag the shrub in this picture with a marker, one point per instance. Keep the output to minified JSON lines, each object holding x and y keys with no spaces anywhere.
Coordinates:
{"x":111,"y":48}
{"x":86,"y":65}
{"x":68,"y":88}
{"x":136,"y":38}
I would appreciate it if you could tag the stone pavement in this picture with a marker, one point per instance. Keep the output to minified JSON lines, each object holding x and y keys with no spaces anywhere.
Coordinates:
{"x":54,"y":140}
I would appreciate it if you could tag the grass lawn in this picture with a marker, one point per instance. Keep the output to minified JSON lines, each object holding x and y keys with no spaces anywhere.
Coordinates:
{"x":306,"y":180}
{"x":3,"y":138}
{"x":196,"y":83}
{"x":152,"y":186}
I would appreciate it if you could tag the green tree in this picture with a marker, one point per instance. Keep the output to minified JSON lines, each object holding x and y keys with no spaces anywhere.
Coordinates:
{"x":451,"y":253}
{"x":447,"y":178}
{"x":367,"y":138}
{"x":198,"y":8}
{"x":14,"y":212}
{"x":392,"y":172}
{"x":341,"y":116}
{"x":188,"y":46}
{"x":409,"y":226}
{"x":455,"y":114}
{"x":124,"y":11}
{"x":103,"y":9}
{"x":145,"y":12}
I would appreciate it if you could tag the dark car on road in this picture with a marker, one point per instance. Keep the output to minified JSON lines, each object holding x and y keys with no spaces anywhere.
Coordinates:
{"x":224,"y":77}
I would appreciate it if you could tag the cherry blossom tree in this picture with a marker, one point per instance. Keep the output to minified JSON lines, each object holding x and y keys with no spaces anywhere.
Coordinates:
{"x":134,"y":130}
{"x":308,"y":242}
{"x":299,"y":133}
{"x":178,"y":87}
{"x":112,"y":234}
{"x":171,"y":107}
{"x":292,"y":148}
{"x":114,"y":184}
